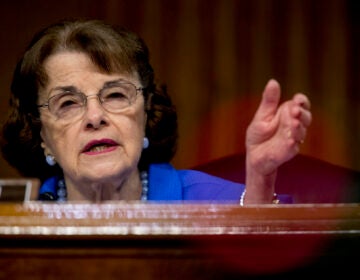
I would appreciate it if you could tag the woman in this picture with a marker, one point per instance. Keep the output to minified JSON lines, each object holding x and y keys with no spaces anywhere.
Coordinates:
{"x":88,"y":120}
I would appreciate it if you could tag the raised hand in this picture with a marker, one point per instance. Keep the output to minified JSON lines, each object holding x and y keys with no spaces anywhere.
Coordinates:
{"x":273,"y":137}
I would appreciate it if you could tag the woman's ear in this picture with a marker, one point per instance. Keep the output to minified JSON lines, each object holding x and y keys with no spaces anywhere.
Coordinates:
{"x":49,"y":157}
{"x":43,"y":145}
{"x":46,"y":150}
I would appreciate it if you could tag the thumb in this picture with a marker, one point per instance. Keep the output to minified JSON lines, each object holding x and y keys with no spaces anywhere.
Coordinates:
{"x":269,"y":101}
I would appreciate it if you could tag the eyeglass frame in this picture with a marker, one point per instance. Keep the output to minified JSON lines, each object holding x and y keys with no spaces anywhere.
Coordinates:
{"x":85,"y":97}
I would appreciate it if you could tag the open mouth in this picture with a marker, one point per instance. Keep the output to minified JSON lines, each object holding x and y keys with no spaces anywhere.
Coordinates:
{"x":99,"y":146}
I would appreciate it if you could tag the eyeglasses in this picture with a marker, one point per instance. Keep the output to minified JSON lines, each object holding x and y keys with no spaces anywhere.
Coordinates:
{"x":69,"y":103}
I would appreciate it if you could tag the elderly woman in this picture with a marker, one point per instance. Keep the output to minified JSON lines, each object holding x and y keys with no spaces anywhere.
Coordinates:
{"x":88,"y":120}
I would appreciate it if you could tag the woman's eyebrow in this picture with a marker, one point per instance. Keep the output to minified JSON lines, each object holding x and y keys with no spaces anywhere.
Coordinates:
{"x":71,"y":89}
{"x":113,"y":83}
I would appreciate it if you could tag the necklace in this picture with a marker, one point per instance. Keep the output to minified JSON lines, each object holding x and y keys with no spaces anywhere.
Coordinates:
{"x":61,"y":190}
{"x":62,"y":193}
{"x":144,"y":185}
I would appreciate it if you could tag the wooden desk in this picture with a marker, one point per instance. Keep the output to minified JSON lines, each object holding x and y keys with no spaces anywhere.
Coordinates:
{"x":177,"y":241}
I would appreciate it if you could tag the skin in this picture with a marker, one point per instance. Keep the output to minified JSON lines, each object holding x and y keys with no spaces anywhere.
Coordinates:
{"x":109,"y":173}
{"x":273,"y":137}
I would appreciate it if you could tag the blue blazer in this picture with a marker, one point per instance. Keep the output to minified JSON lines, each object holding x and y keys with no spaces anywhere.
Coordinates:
{"x":168,"y":184}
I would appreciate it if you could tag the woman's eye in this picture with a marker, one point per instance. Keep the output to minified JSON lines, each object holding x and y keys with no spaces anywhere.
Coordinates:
{"x":66,"y":101}
{"x":115,"y":95}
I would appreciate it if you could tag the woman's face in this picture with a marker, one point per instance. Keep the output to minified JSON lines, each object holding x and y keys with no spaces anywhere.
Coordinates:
{"x":95,"y":144}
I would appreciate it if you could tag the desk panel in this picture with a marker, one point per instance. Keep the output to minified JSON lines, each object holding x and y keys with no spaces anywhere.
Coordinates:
{"x":177,"y":241}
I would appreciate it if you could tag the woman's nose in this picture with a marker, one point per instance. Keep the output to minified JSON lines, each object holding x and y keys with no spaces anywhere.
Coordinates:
{"x":94,"y":112}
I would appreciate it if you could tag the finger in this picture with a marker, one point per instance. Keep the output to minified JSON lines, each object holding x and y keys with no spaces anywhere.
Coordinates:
{"x":269,"y":102}
{"x":303,"y":115}
{"x":305,"y":118}
{"x":302,"y":100}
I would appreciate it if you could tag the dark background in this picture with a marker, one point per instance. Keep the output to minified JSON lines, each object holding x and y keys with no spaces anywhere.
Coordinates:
{"x":216,"y":57}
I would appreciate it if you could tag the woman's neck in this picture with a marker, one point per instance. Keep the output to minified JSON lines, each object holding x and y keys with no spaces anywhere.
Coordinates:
{"x":130,"y":189}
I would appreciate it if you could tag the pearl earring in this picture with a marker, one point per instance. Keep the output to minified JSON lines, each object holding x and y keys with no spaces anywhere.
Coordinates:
{"x":50,"y":159}
{"x":145,"y":143}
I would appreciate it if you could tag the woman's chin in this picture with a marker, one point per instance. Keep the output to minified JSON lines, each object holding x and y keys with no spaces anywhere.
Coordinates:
{"x":103,"y":170}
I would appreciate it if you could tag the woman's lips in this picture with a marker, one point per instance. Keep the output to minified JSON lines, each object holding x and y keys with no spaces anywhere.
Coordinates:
{"x":100,"y":146}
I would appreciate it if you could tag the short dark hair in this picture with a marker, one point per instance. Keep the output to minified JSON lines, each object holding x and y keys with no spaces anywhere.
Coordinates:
{"x":113,"y":50}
